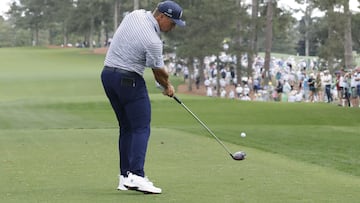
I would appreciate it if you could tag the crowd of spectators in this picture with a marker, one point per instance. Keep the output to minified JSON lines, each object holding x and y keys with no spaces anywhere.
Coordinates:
{"x":288,"y":81}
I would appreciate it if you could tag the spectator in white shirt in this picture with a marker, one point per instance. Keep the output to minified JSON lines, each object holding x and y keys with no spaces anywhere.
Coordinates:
{"x":239,"y":91}
{"x":327,"y":82}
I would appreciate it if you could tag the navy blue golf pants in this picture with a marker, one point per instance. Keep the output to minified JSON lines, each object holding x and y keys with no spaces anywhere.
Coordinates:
{"x":129,"y":99}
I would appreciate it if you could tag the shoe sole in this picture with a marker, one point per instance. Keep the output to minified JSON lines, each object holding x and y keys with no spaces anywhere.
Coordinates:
{"x":143,"y":191}
{"x":122,"y":189}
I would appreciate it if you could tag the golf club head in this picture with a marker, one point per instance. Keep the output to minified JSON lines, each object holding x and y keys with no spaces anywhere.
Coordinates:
{"x":238,"y":156}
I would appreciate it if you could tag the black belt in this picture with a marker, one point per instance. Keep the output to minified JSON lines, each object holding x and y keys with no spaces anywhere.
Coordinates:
{"x":122,"y":71}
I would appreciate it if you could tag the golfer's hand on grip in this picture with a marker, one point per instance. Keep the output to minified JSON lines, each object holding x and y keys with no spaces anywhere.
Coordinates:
{"x":162,"y":77}
{"x":169,"y":91}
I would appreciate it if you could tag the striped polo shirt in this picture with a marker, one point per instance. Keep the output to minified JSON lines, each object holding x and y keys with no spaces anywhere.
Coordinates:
{"x":136,"y":43}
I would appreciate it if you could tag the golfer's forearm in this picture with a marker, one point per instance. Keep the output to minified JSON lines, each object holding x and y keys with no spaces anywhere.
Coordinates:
{"x":162,"y":77}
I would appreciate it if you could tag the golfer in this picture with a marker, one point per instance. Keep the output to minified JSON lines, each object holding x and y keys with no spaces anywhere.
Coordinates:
{"x":136,"y":45}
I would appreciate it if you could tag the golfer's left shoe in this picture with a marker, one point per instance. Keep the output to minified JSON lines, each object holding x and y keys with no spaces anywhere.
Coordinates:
{"x":141,"y":184}
{"x":122,"y":180}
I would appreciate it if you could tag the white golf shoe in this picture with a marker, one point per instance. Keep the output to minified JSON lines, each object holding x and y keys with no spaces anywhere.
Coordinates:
{"x":141,"y":184}
{"x":121,"y":186}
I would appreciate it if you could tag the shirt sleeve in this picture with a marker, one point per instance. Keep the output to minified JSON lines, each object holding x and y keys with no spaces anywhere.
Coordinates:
{"x":154,"y":56}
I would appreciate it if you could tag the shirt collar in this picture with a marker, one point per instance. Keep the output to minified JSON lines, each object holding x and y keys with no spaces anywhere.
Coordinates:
{"x":153,"y":21}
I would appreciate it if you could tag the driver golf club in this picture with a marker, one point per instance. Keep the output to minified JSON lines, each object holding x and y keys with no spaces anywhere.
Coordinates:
{"x":240,"y":155}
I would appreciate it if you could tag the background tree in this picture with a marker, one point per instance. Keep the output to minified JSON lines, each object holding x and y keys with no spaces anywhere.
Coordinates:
{"x":305,"y":28}
{"x":4,"y":33}
{"x":59,"y":20}
{"x":253,"y":34}
{"x":348,"y":55}
{"x":308,"y":42}
{"x":13,"y":32}
{"x":333,"y":48}
{"x":117,"y":9}
{"x":268,"y":39}
{"x":355,"y":29}
{"x":243,"y":41}
{"x":209,"y":23}
{"x":136,"y":4}
{"x":32,"y":16}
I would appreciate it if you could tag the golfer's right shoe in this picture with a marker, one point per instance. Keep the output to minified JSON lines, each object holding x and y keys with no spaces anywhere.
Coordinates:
{"x":122,"y":180}
{"x":141,"y":184}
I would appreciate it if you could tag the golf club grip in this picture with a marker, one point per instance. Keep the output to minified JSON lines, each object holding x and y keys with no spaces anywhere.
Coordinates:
{"x":177,"y":100}
{"x":162,"y":88}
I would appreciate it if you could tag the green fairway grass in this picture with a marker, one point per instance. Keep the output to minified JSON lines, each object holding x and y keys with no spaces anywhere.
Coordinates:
{"x":58,"y":141}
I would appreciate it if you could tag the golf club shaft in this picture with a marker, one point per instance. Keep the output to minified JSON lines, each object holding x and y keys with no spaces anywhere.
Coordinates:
{"x":203,"y":124}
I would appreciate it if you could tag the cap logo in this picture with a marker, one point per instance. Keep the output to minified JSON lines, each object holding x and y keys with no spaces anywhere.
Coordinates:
{"x":169,"y":12}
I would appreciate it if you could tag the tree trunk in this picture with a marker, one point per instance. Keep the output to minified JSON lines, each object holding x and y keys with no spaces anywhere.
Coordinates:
{"x":201,"y":69}
{"x":238,"y":68}
{"x":268,"y":39}
{"x":91,"y":34}
{"x":307,"y":18}
{"x":103,"y":38}
{"x":36,"y":41}
{"x":65,"y":33}
{"x":237,"y":48}
{"x":218,"y":76}
{"x":253,"y":30}
{"x":348,"y":38}
{"x":136,"y":4}
{"x":191,"y":72}
{"x":116,"y":14}
{"x":330,"y":15}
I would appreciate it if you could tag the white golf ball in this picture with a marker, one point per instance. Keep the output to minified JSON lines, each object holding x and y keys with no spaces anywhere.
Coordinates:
{"x":243,"y":134}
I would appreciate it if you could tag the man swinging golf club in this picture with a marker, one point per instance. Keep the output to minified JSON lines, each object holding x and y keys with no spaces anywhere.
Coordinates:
{"x":136,"y":44}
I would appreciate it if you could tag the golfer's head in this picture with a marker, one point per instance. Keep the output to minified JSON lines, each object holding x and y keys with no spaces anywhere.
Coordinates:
{"x":173,"y":11}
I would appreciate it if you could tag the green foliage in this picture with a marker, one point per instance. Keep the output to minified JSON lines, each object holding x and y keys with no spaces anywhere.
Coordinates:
{"x":284,"y":37}
{"x":4,"y":33}
{"x":356,"y":29}
{"x":209,"y":23}
{"x":207,"y":26}
{"x":203,"y":36}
